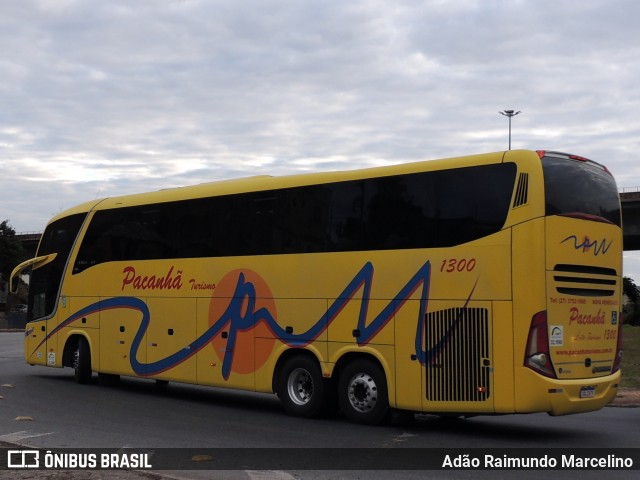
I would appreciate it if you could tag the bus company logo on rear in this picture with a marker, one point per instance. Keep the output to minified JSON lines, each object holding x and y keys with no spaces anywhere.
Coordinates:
{"x":576,"y":316}
{"x":587,"y":245}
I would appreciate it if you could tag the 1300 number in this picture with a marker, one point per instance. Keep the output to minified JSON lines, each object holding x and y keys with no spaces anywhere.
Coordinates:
{"x":451,"y":265}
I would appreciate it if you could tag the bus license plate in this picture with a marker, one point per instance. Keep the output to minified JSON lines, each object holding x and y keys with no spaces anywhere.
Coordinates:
{"x":587,"y":392}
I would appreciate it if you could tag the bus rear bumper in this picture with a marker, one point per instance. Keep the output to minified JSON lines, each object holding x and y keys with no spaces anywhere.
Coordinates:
{"x":564,"y":397}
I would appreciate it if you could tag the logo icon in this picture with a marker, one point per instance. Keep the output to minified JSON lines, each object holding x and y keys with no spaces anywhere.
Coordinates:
{"x":557,"y":336}
{"x":23,"y":459}
{"x":587,"y":245}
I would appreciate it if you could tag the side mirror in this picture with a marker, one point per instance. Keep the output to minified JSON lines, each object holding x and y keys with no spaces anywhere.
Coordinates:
{"x":34,"y":263}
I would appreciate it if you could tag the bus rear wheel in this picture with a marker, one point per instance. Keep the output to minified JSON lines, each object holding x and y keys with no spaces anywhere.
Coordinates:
{"x":301,"y":387}
{"x":362,"y":392}
{"x":82,"y":361}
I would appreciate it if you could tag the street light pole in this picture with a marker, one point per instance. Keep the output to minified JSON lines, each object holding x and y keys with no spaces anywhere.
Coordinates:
{"x":510,"y":114}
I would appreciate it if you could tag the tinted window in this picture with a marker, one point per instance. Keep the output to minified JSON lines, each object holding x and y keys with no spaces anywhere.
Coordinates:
{"x":343,"y":210}
{"x":44,"y":284}
{"x":437,"y":209}
{"x":473,"y":202}
{"x":573,"y":186}
{"x":430,"y":209}
{"x":401,"y":212}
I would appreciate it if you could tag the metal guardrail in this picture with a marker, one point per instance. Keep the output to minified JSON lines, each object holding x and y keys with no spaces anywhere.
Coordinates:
{"x":16,"y":320}
{"x":629,"y":189}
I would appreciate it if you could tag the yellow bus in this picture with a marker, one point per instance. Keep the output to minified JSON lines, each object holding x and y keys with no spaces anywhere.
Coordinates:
{"x":484,"y":284}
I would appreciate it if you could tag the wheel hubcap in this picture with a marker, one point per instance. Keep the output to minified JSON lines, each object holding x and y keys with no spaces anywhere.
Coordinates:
{"x":363,"y":392}
{"x":76,"y":358}
{"x":300,"y":386}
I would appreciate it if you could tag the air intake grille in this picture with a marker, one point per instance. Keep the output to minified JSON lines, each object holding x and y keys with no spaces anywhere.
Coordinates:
{"x":522,"y":190}
{"x":457,"y":341}
{"x":585,"y":281}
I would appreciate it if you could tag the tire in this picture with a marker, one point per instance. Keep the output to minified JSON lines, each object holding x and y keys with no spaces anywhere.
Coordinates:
{"x":362,"y":392}
{"x":301,"y":387}
{"x":82,"y":361}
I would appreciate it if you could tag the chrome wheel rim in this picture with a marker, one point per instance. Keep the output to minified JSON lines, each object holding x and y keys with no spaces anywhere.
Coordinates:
{"x":362,"y":392}
{"x":300,"y":386}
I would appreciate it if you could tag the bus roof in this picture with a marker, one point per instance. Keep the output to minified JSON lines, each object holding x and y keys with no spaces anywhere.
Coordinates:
{"x":267,"y":182}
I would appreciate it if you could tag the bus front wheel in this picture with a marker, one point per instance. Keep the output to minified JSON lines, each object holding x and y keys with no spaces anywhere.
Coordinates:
{"x":301,"y":387}
{"x":82,"y":361}
{"x":362,"y":392}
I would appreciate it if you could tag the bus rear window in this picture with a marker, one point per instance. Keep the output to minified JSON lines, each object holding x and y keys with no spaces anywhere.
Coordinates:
{"x":576,"y":186}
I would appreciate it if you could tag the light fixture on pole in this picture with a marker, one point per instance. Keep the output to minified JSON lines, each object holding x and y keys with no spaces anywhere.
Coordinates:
{"x":510,"y":114}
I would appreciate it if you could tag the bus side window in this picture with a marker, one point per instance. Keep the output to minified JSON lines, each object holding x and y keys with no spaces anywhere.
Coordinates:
{"x":344,"y":216}
{"x":400,"y":212}
{"x":469,"y":209}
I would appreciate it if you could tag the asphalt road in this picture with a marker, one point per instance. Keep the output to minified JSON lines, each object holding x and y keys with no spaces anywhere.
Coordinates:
{"x":43,"y":407}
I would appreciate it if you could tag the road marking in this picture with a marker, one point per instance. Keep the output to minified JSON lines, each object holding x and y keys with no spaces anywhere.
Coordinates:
{"x":17,"y":437}
{"x":268,"y":475}
{"x":404,"y":437}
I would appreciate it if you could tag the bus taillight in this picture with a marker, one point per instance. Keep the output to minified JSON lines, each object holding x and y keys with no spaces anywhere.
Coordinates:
{"x":537,"y":356}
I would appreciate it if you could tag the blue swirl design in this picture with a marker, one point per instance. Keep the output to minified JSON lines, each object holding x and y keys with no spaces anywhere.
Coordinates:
{"x":244,"y":300}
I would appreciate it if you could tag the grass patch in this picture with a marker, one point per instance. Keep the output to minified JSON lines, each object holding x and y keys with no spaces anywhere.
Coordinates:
{"x":630,"y":356}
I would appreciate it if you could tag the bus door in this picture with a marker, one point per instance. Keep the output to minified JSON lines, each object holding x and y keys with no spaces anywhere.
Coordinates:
{"x":47,"y":273}
{"x":35,"y":343}
{"x":36,"y":332}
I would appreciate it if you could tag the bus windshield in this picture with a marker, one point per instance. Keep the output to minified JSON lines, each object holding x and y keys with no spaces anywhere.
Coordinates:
{"x":58,"y":238}
{"x":575,"y":186}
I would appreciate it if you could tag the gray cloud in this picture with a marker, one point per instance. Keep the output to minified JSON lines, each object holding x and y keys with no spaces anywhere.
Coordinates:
{"x":116,"y":97}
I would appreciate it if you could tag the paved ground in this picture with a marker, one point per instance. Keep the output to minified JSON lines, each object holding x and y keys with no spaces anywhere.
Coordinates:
{"x":627,"y":398}
{"x":82,"y":475}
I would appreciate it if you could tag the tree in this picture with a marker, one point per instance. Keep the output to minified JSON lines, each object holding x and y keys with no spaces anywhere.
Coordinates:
{"x":632,"y":309}
{"x":11,"y":251}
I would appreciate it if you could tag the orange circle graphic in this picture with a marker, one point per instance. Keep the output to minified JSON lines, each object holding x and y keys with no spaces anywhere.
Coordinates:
{"x":248,"y":354}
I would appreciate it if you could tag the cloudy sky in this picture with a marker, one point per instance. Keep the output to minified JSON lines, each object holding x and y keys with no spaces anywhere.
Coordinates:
{"x":102,"y":98}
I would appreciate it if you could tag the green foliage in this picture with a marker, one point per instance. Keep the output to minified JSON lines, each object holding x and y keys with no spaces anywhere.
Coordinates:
{"x":630,"y":356}
{"x":631,"y":311}
{"x":11,"y":251}
{"x":630,"y":289}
